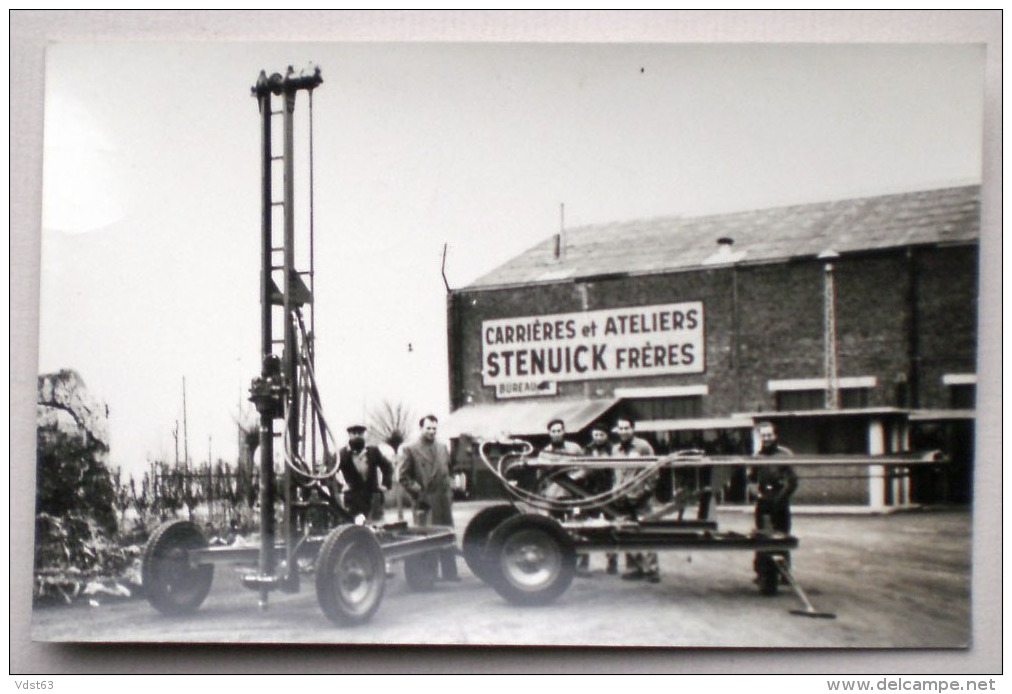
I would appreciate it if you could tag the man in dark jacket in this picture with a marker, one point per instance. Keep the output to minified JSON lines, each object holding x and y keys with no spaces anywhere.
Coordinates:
{"x":775,"y":485}
{"x":366,"y":474}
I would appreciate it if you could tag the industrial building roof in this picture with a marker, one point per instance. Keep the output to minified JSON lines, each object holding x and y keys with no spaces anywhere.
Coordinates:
{"x":948,"y":215}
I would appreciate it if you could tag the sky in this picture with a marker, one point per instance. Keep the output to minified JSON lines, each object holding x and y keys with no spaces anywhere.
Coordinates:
{"x":150,"y":240}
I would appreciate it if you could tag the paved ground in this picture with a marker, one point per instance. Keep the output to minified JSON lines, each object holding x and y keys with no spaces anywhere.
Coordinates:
{"x":897,"y":581}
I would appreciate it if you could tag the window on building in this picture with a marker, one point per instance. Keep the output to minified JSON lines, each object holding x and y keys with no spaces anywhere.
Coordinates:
{"x":801,"y":394}
{"x":853,"y":398}
{"x":666,"y":408}
{"x":963,"y":397}
{"x":789,"y":400}
{"x":794,"y":400}
{"x":962,"y":390}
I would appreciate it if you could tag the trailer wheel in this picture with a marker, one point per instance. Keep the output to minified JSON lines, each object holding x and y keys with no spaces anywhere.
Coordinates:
{"x":420,"y":571}
{"x":476,"y":535}
{"x":767,"y":575}
{"x":532,"y":559}
{"x":350,"y":574}
{"x":171,"y":584}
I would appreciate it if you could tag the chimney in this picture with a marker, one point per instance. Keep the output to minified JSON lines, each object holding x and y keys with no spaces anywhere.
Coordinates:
{"x":560,"y":239}
{"x":724,"y":253}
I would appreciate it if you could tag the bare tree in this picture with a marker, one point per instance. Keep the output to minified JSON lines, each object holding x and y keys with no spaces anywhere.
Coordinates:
{"x":391,"y":423}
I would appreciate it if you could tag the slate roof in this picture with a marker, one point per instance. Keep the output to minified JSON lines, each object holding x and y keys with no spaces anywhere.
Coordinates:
{"x":943,"y":216}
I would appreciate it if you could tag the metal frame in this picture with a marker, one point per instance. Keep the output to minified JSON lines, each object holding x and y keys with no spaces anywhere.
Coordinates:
{"x":588,"y":522}
{"x":313,"y":519}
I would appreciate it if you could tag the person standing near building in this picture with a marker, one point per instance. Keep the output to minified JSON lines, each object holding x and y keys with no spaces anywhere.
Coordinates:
{"x":638,"y":497}
{"x":601,"y":480}
{"x":425,"y":475}
{"x":558,"y":445}
{"x":557,"y":442}
{"x":367,"y":473}
{"x":775,"y":484}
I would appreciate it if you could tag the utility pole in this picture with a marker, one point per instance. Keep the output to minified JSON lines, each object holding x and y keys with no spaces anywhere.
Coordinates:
{"x":186,"y":435}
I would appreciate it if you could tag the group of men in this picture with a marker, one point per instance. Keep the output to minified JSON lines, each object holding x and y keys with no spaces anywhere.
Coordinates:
{"x":424,"y":471}
{"x":637,"y":489}
{"x":774,"y":484}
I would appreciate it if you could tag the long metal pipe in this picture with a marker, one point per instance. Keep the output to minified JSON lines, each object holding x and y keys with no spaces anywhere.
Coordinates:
{"x":291,"y":366}
{"x":266,"y":561}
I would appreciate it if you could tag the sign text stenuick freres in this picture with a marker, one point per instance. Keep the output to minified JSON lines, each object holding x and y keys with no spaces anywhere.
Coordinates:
{"x":612,"y":343}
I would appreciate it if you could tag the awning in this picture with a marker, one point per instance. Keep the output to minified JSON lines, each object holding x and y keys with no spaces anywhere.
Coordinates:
{"x":839,"y":412}
{"x":522,"y":418}
{"x":700,"y":424}
{"x":941,"y":415}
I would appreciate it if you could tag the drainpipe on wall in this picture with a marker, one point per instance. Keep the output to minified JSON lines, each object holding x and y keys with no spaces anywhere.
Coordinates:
{"x":913,"y":344}
{"x":735,"y":342}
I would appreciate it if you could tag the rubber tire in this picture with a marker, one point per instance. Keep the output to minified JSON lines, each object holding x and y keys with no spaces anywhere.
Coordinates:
{"x":171,"y":585}
{"x":421,"y":570}
{"x":532,"y":559}
{"x":475,"y":539}
{"x":350,"y":575}
{"x":767,"y":574}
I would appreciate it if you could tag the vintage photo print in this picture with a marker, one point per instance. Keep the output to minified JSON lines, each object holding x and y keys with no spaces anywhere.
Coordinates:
{"x":509,"y":344}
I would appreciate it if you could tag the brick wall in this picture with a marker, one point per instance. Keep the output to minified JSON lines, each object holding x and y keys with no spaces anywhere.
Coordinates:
{"x":778,"y":325}
{"x":947,"y":318}
{"x":838,"y":484}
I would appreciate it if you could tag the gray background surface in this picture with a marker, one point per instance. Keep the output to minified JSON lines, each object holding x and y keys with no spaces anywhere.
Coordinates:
{"x":31,"y":31}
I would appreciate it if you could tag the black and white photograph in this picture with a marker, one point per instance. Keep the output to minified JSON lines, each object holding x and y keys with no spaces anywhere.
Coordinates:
{"x":507,"y":343}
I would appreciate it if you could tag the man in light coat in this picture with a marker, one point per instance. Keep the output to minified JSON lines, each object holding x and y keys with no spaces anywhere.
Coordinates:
{"x":425,"y":475}
{"x":638,"y":496}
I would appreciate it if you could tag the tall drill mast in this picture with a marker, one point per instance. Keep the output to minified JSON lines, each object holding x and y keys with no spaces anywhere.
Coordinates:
{"x":275,"y":393}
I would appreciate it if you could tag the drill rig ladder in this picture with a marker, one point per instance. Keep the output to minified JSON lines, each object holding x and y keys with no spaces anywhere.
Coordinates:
{"x":349,"y":556}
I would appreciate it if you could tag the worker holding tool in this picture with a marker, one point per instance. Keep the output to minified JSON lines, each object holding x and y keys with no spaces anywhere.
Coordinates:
{"x":775,"y":485}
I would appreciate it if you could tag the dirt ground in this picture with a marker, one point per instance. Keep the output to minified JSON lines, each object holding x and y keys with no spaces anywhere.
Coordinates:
{"x":893,"y":581}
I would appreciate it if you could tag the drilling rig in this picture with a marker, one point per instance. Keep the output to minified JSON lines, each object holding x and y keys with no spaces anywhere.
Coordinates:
{"x":302,"y":522}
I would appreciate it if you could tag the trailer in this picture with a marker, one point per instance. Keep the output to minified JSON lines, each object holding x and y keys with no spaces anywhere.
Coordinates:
{"x":348,"y":556}
{"x":526,"y":549}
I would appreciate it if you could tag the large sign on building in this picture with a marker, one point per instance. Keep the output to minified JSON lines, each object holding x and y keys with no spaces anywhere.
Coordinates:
{"x":527,"y":355}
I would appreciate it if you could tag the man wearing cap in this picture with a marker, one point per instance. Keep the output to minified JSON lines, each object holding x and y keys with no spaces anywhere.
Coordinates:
{"x":366,"y":474}
{"x":425,"y":476}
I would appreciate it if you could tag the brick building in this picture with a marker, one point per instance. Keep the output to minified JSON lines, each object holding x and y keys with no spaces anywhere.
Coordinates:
{"x":851,"y":324}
